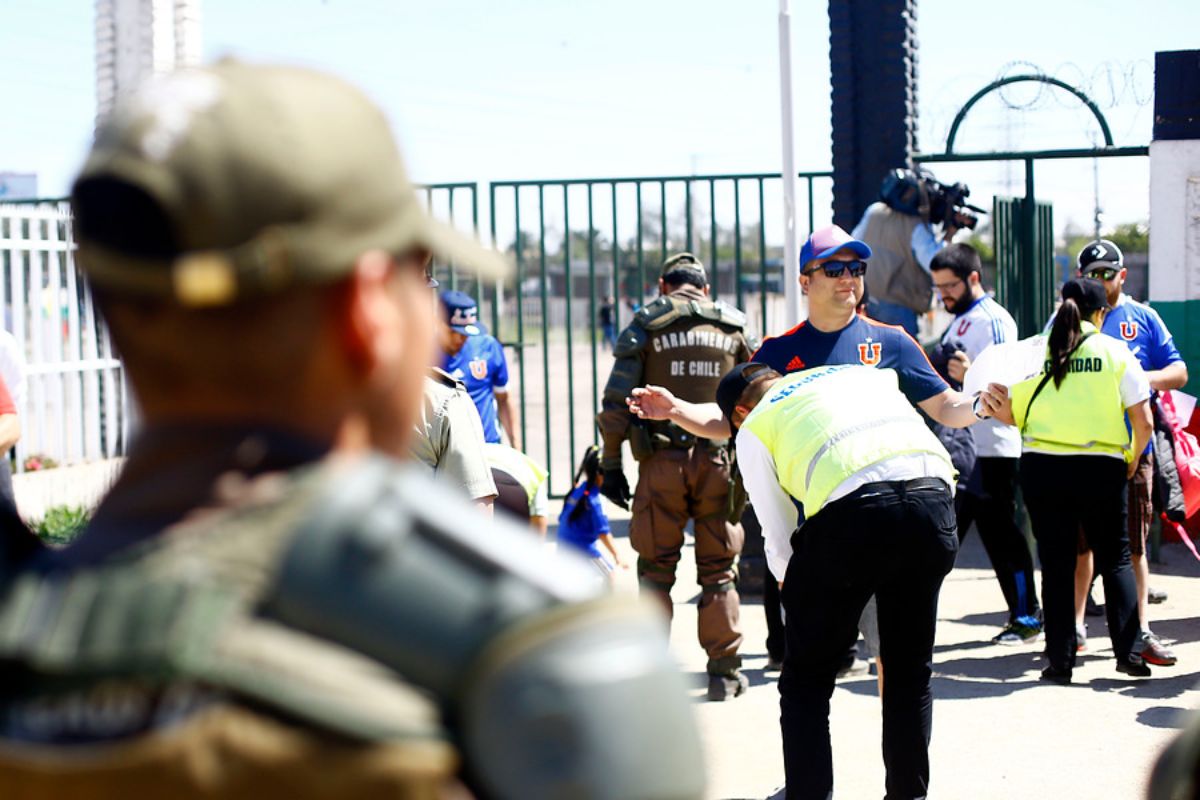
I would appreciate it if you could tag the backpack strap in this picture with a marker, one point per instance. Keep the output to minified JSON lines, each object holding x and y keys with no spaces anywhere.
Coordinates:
{"x":1045,"y":378}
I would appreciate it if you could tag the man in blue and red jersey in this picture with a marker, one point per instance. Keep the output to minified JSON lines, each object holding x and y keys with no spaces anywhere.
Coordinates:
{"x":476,"y":358}
{"x":832,"y":266}
{"x":1142,"y":330}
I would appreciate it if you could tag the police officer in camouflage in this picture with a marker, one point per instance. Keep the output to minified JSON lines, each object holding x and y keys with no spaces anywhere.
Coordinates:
{"x":686,"y":342}
{"x":268,"y":603}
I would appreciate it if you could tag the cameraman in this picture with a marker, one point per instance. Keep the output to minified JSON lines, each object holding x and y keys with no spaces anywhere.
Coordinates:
{"x":899,"y":228}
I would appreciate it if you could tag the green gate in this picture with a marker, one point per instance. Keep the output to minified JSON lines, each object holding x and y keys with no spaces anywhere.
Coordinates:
{"x":578,"y":243}
{"x":1025,"y":275}
{"x":1026,"y":283}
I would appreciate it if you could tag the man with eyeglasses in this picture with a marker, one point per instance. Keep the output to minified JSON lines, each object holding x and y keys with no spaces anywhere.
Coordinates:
{"x":988,"y":496}
{"x":1143,"y":331}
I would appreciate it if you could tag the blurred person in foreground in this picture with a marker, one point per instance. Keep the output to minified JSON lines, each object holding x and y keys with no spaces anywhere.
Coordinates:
{"x":268,"y":604}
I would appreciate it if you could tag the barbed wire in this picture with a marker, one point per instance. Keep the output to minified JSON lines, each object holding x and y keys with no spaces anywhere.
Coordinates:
{"x":1109,"y":84}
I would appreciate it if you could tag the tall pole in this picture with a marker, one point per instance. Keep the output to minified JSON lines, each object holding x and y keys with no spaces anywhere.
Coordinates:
{"x":791,"y":280}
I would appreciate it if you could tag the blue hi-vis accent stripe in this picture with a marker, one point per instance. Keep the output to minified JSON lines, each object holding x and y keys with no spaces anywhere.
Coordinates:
{"x":1019,"y":579}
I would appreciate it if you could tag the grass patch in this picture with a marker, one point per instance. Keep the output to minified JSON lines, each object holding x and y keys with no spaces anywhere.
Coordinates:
{"x":61,"y":524}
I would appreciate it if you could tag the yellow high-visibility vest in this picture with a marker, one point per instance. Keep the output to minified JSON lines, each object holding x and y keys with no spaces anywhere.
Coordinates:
{"x":823,"y":425}
{"x":1084,"y":415}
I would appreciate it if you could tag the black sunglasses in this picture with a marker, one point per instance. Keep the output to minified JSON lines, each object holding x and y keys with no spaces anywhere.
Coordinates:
{"x":834,"y":269}
{"x":1102,"y":273}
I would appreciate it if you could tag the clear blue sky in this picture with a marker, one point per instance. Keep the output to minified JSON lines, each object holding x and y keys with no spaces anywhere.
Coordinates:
{"x":483,"y":89}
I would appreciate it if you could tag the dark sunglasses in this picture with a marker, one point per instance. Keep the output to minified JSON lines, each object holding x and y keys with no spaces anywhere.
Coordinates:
{"x":834,"y":269}
{"x":1102,"y":273}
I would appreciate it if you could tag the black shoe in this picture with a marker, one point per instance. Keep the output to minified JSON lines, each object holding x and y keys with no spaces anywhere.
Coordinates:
{"x":1133,"y":666}
{"x":1093,"y":609}
{"x":1055,"y":675}
{"x":727,"y":687}
{"x":1155,"y":596}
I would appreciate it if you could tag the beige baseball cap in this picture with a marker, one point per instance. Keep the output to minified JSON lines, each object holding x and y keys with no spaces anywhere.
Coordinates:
{"x":268,"y":176}
{"x":684,"y":262}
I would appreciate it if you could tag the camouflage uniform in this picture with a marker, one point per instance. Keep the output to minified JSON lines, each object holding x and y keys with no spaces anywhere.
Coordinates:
{"x":259,"y":608}
{"x":685,"y":342}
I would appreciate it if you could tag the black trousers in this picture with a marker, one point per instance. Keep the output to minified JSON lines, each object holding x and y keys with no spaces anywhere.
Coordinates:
{"x":896,"y":540}
{"x":1065,"y":494}
{"x":994,"y":512}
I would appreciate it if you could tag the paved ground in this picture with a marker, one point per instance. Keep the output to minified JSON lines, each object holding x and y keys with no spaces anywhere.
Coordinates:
{"x":998,"y":732}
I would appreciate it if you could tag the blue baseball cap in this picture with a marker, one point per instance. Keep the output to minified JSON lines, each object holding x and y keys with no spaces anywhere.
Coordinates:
{"x":462,"y":312}
{"x":824,"y":242}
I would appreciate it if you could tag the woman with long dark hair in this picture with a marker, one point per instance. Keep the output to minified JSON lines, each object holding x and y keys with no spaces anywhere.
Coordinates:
{"x":1077,"y":454}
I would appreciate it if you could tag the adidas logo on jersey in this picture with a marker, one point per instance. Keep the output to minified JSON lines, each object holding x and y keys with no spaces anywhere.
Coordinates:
{"x":795,"y":364}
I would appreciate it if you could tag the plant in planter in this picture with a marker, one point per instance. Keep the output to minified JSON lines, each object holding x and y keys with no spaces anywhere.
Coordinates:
{"x":37,"y":461}
{"x":61,"y":524}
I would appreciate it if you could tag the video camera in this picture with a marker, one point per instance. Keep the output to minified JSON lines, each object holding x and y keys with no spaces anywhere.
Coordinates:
{"x":919,"y":194}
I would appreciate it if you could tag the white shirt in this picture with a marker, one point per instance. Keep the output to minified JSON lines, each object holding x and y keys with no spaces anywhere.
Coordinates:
{"x":982,"y":325}
{"x":778,"y":513}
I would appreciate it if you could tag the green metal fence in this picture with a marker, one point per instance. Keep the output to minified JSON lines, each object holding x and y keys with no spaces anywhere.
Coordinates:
{"x":1026,"y":282}
{"x":456,"y":204}
{"x":577,"y":242}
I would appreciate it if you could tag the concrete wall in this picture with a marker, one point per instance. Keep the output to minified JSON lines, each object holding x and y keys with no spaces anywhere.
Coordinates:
{"x":1175,"y":242}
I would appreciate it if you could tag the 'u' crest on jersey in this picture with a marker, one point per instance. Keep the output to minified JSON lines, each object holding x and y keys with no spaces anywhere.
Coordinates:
{"x":479,"y":368}
{"x":868,"y":353}
{"x":963,"y":326}
{"x":1128,"y":331}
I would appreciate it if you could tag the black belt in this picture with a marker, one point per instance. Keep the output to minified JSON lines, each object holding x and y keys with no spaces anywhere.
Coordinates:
{"x":914,"y":485}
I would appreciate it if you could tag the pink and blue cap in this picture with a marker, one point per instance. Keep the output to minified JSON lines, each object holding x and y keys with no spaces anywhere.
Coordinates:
{"x":824,"y":242}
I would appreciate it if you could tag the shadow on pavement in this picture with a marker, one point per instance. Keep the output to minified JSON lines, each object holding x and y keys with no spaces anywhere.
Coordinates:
{"x":1183,"y":629}
{"x":1176,"y":560}
{"x":1161,"y":685}
{"x":1163,"y":717}
{"x":995,"y":619}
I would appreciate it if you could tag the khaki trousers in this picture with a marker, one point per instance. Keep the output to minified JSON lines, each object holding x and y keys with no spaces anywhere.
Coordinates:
{"x":674,"y":486}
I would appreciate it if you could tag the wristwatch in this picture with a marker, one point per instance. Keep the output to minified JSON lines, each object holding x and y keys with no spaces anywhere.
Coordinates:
{"x":975,"y":409}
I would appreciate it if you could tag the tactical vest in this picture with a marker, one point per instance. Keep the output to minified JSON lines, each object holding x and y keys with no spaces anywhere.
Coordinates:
{"x":689,"y":344}
{"x":1084,"y":415}
{"x":324,"y":632}
{"x":894,"y":274}
{"x":178,"y":618}
{"x":823,"y":425}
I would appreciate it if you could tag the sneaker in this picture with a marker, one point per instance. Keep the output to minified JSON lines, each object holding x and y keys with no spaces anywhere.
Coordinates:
{"x":1093,"y":609}
{"x":728,"y":686}
{"x":1133,"y":666}
{"x":1055,"y":675}
{"x":1023,"y":631}
{"x":1081,"y":637}
{"x":1155,"y":652}
{"x":1155,"y":596}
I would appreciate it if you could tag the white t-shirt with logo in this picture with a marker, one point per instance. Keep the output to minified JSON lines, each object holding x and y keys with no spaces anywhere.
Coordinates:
{"x":982,"y":325}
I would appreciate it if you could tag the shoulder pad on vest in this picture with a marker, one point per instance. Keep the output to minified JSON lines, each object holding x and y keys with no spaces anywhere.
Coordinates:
{"x":721,"y":312}
{"x":631,"y":341}
{"x":390,"y":557}
{"x":445,"y":378}
{"x":659,"y":313}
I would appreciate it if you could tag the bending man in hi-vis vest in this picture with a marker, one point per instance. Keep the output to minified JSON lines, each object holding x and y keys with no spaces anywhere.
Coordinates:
{"x":874,"y":484}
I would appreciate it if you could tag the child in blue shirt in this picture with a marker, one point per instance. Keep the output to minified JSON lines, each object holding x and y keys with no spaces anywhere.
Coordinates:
{"x":582,"y":521}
